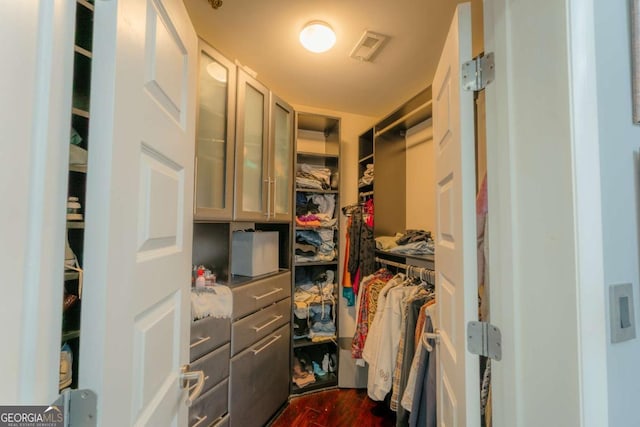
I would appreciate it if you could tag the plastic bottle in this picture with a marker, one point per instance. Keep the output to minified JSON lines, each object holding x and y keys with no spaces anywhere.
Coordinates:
{"x":200,"y":282}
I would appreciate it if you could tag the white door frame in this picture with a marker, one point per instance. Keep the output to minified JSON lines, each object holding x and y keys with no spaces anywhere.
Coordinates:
{"x":568,"y":325}
{"x":36,"y":85}
{"x":35,"y":118}
{"x":585,"y":144}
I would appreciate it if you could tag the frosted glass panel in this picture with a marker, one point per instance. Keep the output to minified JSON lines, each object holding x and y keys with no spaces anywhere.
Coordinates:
{"x":282,"y":159}
{"x":252,"y":150}
{"x":211,"y":134}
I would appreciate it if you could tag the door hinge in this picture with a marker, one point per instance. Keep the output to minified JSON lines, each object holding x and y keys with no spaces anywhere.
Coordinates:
{"x":79,"y":407}
{"x":478,"y":73}
{"x":484,"y":339}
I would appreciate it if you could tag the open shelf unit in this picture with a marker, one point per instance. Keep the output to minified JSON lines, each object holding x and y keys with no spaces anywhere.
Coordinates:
{"x":316,"y":253}
{"x":79,"y":145}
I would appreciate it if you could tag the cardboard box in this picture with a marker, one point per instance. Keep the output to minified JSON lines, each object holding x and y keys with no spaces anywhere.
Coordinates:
{"x":254,"y":253}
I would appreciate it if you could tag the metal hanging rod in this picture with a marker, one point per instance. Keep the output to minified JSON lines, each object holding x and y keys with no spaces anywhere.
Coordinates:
{"x":422,"y":273}
{"x":391,"y":263}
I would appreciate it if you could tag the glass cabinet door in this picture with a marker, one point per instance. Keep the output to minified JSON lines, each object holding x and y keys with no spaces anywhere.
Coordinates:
{"x":252,"y":181}
{"x":214,"y":136}
{"x":281,"y":161}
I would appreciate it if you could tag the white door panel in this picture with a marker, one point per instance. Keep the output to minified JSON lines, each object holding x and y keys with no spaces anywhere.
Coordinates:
{"x":36,"y":87}
{"x":456,"y":282}
{"x":139,"y":212}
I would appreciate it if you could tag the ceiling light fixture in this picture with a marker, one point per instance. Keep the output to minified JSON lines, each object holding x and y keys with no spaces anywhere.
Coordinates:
{"x":217,"y":71}
{"x":317,"y":36}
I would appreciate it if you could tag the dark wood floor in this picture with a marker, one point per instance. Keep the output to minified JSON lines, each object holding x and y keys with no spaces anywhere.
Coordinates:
{"x":335,"y":408}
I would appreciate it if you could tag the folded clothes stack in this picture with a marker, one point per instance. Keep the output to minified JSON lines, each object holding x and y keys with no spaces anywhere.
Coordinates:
{"x":314,"y":177}
{"x":315,"y":245}
{"x":367,"y":176}
{"x":315,"y":210}
{"x":412,"y":242}
{"x":313,"y":306}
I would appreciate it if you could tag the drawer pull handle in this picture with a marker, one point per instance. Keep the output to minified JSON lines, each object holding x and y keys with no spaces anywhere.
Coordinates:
{"x":274,"y":339}
{"x":275,"y":291}
{"x":200,"y":421}
{"x":270,"y":322}
{"x":200,"y":341}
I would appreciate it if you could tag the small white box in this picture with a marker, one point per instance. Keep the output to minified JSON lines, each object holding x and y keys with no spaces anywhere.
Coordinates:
{"x":254,"y":253}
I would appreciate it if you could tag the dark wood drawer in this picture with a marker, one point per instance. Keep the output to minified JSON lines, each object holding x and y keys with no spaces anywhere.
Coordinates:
{"x":215,"y":366}
{"x":261,"y":293}
{"x":207,"y":334}
{"x":210,"y":406}
{"x":258,"y":325}
{"x":259,"y":382}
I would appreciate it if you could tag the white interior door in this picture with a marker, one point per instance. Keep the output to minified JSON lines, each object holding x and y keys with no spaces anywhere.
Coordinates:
{"x":458,"y":390}
{"x":35,"y":82}
{"x":136,"y":309}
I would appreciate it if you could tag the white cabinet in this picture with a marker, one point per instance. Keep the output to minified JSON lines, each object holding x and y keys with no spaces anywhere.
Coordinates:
{"x":264,"y":144}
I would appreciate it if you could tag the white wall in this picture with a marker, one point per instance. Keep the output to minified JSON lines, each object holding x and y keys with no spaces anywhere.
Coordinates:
{"x":620,"y":178}
{"x":421,"y":178}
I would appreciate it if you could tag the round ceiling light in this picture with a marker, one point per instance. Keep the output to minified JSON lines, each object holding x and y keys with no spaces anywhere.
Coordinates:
{"x":217,"y":71}
{"x":317,"y":37}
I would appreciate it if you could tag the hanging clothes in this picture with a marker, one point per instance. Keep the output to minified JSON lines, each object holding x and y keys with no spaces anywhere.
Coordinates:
{"x":406,"y":352}
{"x":382,"y":345}
{"x":482,"y":233}
{"x":366,"y":304}
{"x":347,"y":286}
{"x":361,"y":243}
{"x":424,"y":412}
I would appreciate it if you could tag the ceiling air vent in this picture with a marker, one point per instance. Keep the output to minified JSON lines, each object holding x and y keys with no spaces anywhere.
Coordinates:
{"x":368,"y":46}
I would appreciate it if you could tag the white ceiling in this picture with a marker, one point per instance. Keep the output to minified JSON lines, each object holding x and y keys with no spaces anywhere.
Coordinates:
{"x":263,"y":35}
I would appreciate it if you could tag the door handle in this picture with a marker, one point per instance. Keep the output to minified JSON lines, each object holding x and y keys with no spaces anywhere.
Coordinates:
{"x":195,"y":181}
{"x":187,"y":375}
{"x":268,"y":182}
{"x":275,"y":197}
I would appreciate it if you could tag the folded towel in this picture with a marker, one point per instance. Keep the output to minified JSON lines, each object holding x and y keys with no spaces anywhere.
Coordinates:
{"x":214,"y":301}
